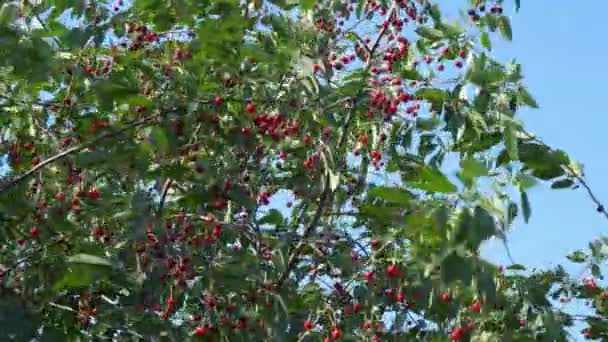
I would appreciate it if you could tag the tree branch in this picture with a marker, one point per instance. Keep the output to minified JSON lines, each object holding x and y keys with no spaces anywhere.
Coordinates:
{"x":15,"y":181}
{"x":327,"y":193}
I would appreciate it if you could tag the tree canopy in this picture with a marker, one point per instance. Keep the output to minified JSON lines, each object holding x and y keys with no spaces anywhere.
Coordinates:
{"x":273,"y":170}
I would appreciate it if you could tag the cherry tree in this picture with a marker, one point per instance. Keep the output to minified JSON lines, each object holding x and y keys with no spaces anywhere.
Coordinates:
{"x":273,"y":170}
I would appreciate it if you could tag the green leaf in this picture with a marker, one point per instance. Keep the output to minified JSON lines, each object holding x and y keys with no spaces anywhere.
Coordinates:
{"x":307,"y":4}
{"x":485,"y":40}
{"x":526,"y":97}
{"x":525,"y":204}
{"x":431,"y":179}
{"x":393,"y":195}
{"x":160,"y":139}
{"x":595,"y":271}
{"x":436,"y":97}
{"x":562,"y":184}
{"x":504,"y":25}
{"x":429,"y":33}
{"x":273,"y":217}
{"x":89,"y":260}
{"x":8,"y":14}
{"x":577,"y":257}
{"x":83,"y":270}
{"x":516,"y":267}
{"x":512,"y":212}
{"x":472,"y":169}
{"x":511,"y":142}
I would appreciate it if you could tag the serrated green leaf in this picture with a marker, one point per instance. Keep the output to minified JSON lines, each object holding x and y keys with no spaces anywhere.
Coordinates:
{"x":504,"y":25}
{"x":511,"y":142}
{"x":526,"y":97}
{"x":485,"y":41}
{"x":391,"y":194}
{"x":430,"y":33}
{"x":431,"y":179}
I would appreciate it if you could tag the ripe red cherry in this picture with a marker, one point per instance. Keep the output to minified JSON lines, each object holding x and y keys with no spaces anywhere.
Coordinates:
{"x":363,"y":139}
{"x":170,"y":301}
{"x":217,"y":230}
{"x":401,"y":297}
{"x":445,"y":297}
{"x":336,"y":334}
{"x":60,"y":196}
{"x":458,"y":64}
{"x":200,"y":330}
{"x":316,"y":68}
{"x":392,"y":271}
{"x":476,"y":307}
{"x":348,"y":310}
{"x":218,"y":100}
{"x":356,"y":307}
{"x":327,"y":339}
{"x":462,"y":53}
{"x":93,"y":194}
{"x":441,"y":67}
{"x":308,"y":324}
{"x":250,"y":108}
{"x":34,"y":232}
{"x":375,"y":243}
{"x":456,"y":335}
{"x":523,"y":322}
{"x":368,"y":275}
{"x":28,"y":146}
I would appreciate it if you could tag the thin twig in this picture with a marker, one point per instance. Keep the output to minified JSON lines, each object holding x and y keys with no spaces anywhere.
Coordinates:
{"x":43,"y":164}
{"x":327,"y":191}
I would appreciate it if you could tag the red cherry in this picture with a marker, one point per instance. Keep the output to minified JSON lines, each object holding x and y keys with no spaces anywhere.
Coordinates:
{"x":218,"y":100}
{"x":356,"y":307}
{"x":93,"y":194}
{"x":308,"y":324}
{"x":28,"y":146}
{"x":363,"y":139}
{"x":336,"y":334}
{"x":200,"y":330}
{"x":456,"y":335}
{"x":348,"y":310}
{"x":327,"y":339}
{"x":316,"y":68}
{"x":523,"y":322}
{"x":445,"y":297}
{"x":250,"y":108}
{"x":401,"y":297}
{"x":217,"y":230}
{"x":60,"y":196}
{"x":368,"y":275}
{"x":170,"y":301}
{"x":393,"y":271}
{"x":462,"y":53}
{"x":375,"y":243}
{"x":34,"y":232}
{"x":441,"y":67}
{"x":476,"y":307}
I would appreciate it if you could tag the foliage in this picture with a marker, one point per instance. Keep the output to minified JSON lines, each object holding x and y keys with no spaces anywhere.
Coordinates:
{"x":270,"y":170}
